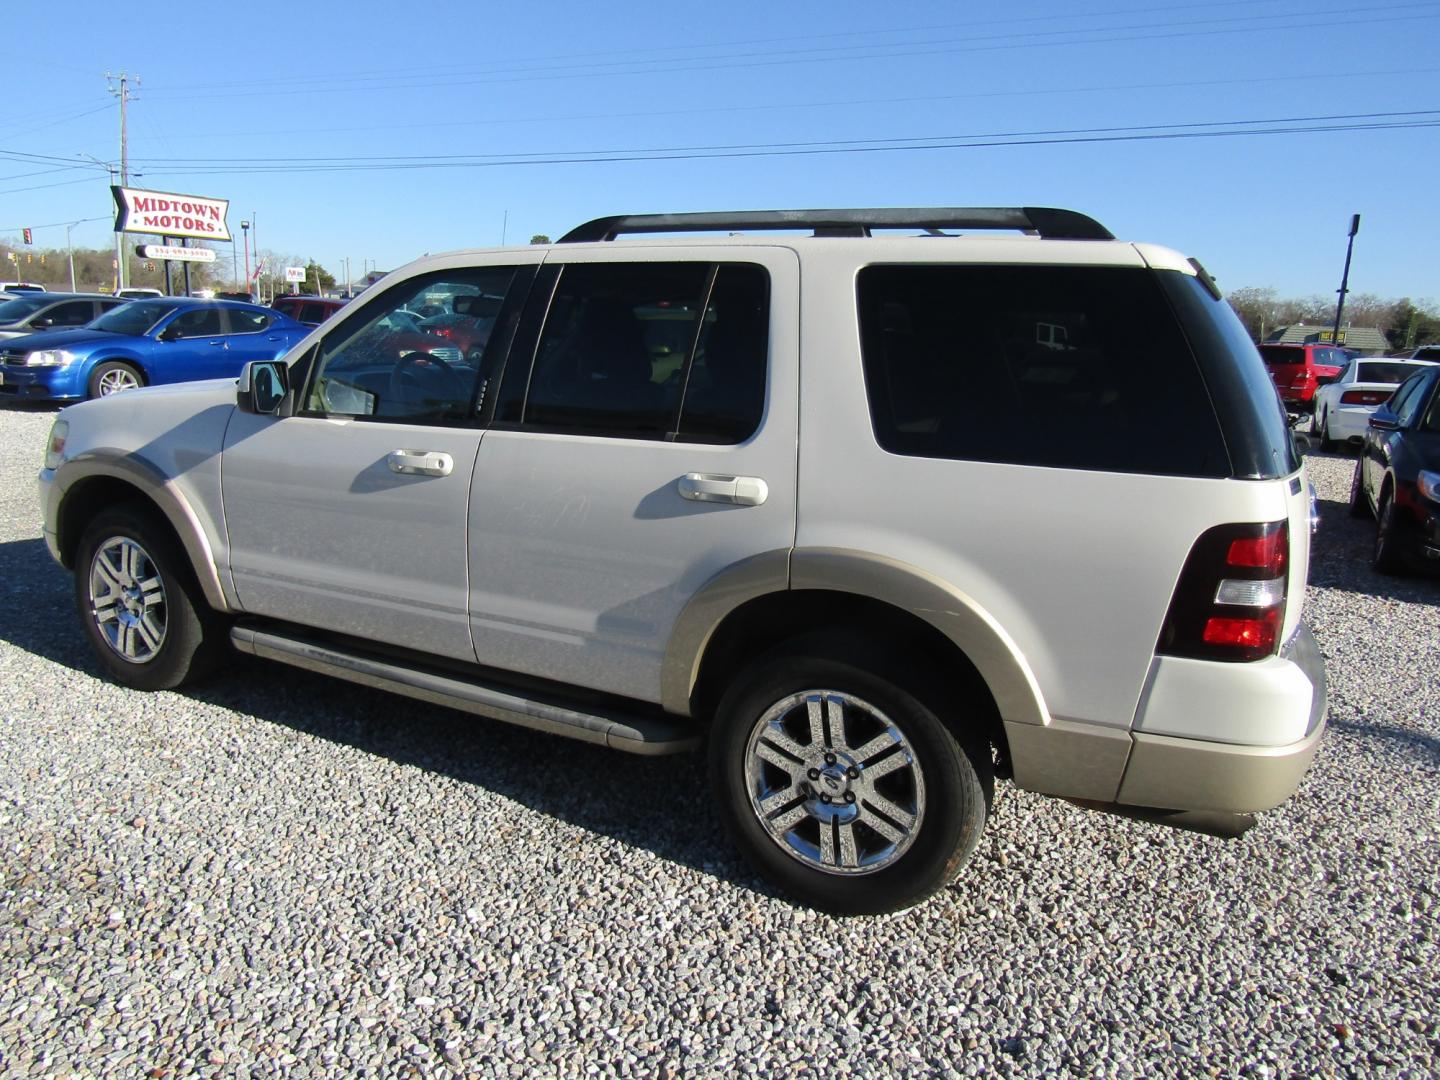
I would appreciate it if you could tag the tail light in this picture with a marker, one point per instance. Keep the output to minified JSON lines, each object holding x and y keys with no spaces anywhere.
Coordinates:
{"x":1230,"y":601}
{"x":1365,"y":397}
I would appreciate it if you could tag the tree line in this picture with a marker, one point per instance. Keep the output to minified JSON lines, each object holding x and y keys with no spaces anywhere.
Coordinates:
{"x":1404,"y":322}
{"x":95,"y":271}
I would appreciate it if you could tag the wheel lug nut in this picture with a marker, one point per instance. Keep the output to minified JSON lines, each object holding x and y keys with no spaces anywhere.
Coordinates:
{"x":853,"y":773}
{"x":849,"y":796}
{"x":829,"y":759}
{"x":825,"y":799}
{"x":814,"y":774}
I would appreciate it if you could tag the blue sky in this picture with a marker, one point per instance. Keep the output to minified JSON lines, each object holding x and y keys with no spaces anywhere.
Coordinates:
{"x":380,"y":132}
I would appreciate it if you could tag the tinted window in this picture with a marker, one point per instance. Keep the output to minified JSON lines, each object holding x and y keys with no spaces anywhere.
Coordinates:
{"x":1409,"y":397}
{"x":15,"y":310}
{"x":1071,"y":367}
{"x":1282,"y":354}
{"x":613,"y":349}
{"x":197,"y":322}
{"x":384,"y":364}
{"x":71,"y":313}
{"x":1370,"y":371}
{"x":724,"y":390}
{"x":243,"y":321}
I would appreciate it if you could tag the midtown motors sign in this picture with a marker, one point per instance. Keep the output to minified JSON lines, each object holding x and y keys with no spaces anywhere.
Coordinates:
{"x":164,"y":213}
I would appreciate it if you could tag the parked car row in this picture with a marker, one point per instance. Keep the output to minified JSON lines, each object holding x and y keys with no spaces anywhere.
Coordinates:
{"x":1397,"y":475}
{"x":142,"y":343}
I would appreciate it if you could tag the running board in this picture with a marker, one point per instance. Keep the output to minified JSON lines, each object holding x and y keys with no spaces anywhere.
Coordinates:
{"x":635,"y":735}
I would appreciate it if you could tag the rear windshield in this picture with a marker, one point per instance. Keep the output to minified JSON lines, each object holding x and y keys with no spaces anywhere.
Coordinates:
{"x":1064,"y":366}
{"x":1394,"y":374}
{"x":1282,"y":354}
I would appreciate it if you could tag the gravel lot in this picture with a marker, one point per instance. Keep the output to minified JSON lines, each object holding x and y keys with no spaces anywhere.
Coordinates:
{"x":285,"y":875}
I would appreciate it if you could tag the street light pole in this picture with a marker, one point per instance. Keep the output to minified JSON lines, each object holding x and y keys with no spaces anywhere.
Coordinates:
{"x":1345,"y":280}
{"x":70,"y":251}
{"x":245,"y":237}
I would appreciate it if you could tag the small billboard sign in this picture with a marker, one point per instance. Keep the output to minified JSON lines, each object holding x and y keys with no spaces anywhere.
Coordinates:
{"x":164,"y":213}
{"x":294,"y":273}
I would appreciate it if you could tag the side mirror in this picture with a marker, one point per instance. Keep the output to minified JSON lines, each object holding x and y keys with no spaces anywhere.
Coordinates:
{"x":1384,"y":420}
{"x":1304,"y":444}
{"x":43,"y":321}
{"x":170,"y":333}
{"x":262,"y":387}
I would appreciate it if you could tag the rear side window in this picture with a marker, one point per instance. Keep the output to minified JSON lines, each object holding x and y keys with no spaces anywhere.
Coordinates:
{"x":671,"y":351}
{"x":243,"y":321}
{"x":1068,"y":367}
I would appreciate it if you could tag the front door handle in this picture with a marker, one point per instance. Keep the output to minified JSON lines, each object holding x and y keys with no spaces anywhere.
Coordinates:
{"x":420,"y":462}
{"x":711,"y":487}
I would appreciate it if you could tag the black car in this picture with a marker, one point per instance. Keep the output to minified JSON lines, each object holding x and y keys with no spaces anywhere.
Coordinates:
{"x":1397,"y":477}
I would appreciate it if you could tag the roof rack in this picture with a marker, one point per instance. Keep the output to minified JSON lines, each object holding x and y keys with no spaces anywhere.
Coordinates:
{"x":1043,"y":221}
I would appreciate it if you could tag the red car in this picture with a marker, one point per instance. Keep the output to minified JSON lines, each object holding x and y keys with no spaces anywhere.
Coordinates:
{"x":1299,"y":370}
{"x":310,"y":310}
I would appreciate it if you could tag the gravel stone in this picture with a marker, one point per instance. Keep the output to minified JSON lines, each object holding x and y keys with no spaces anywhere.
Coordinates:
{"x":281,"y":875}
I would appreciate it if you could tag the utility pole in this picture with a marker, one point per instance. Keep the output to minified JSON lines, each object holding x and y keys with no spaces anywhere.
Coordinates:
{"x":1345,"y":280}
{"x":70,"y":250}
{"x":119,"y":86}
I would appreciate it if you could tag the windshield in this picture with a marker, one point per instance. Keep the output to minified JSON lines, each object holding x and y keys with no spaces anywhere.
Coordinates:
{"x":1282,"y":354}
{"x":1394,"y":374}
{"x":15,"y":310}
{"x":135,"y":318}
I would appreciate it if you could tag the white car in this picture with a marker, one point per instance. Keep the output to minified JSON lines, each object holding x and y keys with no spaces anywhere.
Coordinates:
{"x":1343,"y":408}
{"x":882,"y":519}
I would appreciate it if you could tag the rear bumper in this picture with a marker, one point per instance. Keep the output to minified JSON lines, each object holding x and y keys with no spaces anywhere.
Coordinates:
{"x":1181,"y":772}
{"x":1348,"y":422}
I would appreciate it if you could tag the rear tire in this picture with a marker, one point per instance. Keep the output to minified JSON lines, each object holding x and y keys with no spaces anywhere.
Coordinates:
{"x":141,"y":607}
{"x":112,"y":377}
{"x":1359,"y":504}
{"x":1327,"y":444}
{"x":1390,"y":557}
{"x":841,"y":785}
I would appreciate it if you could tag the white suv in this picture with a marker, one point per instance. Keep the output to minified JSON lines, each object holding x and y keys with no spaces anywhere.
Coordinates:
{"x":879,"y":517}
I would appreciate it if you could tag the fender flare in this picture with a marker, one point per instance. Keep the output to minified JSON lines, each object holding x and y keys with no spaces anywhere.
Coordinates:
{"x":158,"y":488}
{"x":953,"y":613}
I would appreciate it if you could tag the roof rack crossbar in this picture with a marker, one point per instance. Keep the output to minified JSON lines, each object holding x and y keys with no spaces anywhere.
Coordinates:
{"x":1044,"y":221}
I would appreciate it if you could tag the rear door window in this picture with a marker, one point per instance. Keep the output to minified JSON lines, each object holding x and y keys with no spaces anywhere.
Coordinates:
{"x":1069,"y":367}
{"x":673,"y":351}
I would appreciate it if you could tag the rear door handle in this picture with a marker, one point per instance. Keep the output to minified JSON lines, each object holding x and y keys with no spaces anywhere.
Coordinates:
{"x":420,"y":462}
{"x":712,"y":487}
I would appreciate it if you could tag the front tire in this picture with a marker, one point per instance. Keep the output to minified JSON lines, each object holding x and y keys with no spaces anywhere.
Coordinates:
{"x":113,"y":376}
{"x":842,"y":786}
{"x":140,"y":604}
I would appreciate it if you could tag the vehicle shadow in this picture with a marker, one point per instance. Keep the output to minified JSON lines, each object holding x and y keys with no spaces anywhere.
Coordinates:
{"x":1404,"y":738}
{"x":657,"y":804}
{"x":1340,"y":559}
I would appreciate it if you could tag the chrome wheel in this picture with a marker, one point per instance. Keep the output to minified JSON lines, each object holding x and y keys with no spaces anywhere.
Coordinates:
{"x":834,"y":782}
{"x":127,"y":600}
{"x":115,"y":380}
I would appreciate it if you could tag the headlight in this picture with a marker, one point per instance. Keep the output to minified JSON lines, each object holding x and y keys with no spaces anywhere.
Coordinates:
{"x":49,"y":358}
{"x":1429,"y":483}
{"x":55,"y":448}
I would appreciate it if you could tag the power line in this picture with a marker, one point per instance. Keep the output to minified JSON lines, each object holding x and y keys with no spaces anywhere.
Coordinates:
{"x":1428,"y":118}
{"x":844,"y":103}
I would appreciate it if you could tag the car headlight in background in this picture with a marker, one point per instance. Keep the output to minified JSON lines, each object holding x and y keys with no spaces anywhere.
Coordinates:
{"x":49,"y":358}
{"x":1429,"y":483}
{"x":55,"y":447}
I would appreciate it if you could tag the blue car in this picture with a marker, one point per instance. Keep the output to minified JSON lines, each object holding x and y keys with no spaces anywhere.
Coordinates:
{"x":143,"y":343}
